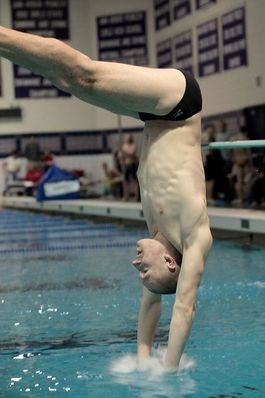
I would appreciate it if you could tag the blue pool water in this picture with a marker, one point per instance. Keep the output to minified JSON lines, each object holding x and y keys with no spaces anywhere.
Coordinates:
{"x":69,"y":300}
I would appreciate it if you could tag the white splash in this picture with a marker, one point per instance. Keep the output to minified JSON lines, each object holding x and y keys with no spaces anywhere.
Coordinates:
{"x":259,"y":284}
{"x":150,"y":376}
{"x":16,"y":379}
{"x":152,"y":365}
{"x":20,"y":356}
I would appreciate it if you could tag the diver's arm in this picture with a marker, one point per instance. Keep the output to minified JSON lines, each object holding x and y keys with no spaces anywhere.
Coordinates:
{"x":149,"y":314}
{"x":194,"y":256}
{"x":48,"y":57}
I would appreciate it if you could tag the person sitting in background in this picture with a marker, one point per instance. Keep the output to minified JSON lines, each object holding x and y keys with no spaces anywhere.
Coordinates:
{"x":112,"y":182}
{"x":31,"y":179}
{"x":47,"y":160}
{"x":130,"y":161}
{"x":222,"y":134}
{"x":12,"y":167}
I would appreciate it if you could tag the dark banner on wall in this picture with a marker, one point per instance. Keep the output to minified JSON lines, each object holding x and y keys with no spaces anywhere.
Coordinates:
{"x":29,"y":85}
{"x":164,"y":54}
{"x":181,"y":8}
{"x":162,"y":14}
{"x":203,"y":3}
{"x":208,"y":48}
{"x":123,"y":37}
{"x":45,"y":18}
{"x":183,"y":51}
{"x":234,"y":39}
{"x":42,"y":17}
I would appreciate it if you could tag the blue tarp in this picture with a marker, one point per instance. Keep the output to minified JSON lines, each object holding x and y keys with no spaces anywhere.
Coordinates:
{"x":58,"y":184}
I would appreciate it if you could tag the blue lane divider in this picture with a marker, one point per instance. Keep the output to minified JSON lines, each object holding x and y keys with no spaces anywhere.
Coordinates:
{"x":69,"y":228}
{"x":41,"y":222}
{"x":35,"y":221}
{"x":27,"y":215}
{"x":48,"y":222}
{"x":81,"y":237}
{"x":67,"y":248}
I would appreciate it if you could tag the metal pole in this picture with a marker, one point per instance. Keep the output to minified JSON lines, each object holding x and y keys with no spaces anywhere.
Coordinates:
{"x":235,"y":144}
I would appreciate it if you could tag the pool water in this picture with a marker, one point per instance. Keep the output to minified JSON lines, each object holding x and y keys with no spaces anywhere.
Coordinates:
{"x":69,"y":300}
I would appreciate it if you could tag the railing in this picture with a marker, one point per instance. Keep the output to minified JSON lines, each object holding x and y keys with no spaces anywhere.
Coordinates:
{"x":234,"y":144}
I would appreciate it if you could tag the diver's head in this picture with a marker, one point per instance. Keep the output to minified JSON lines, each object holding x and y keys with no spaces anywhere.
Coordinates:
{"x":158,"y":267}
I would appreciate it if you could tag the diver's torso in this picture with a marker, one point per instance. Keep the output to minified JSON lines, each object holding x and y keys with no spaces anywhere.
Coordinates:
{"x":171,"y":177}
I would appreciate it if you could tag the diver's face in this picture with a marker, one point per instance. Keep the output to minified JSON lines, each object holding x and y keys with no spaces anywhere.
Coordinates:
{"x":150,"y":262}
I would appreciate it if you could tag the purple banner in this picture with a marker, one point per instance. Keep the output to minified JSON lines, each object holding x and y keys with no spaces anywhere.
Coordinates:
{"x":203,"y":3}
{"x":42,"y":17}
{"x":181,"y":8}
{"x":29,"y":85}
{"x":183,"y":51}
{"x":164,"y":54}
{"x":45,"y":18}
{"x":162,"y":14}
{"x":123,"y":38}
{"x":234,"y":39}
{"x":208,"y":48}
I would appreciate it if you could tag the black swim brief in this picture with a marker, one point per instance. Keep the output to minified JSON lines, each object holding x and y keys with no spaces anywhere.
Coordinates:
{"x":189,"y":105}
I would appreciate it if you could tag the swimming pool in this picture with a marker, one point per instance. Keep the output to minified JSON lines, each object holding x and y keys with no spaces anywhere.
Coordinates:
{"x":69,"y":301}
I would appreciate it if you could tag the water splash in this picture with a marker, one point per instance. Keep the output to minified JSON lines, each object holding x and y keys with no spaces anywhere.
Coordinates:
{"x":150,"y":377}
{"x":152,"y":365}
{"x":258,"y":284}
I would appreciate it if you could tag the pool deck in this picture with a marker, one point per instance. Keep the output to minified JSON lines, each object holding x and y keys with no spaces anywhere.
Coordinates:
{"x":229,"y":219}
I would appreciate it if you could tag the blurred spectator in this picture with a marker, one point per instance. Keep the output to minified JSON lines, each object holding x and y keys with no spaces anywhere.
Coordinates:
{"x":242,"y":169}
{"x":258,"y":182}
{"x":217,"y":183}
{"x":47,"y":160}
{"x":117,"y":159}
{"x":223,"y":135}
{"x":31,"y":179}
{"x":208,"y":133}
{"x":112,"y":185}
{"x":130,"y":162}
{"x":222,"y":189}
{"x":12,"y":167}
{"x":32,"y":153}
